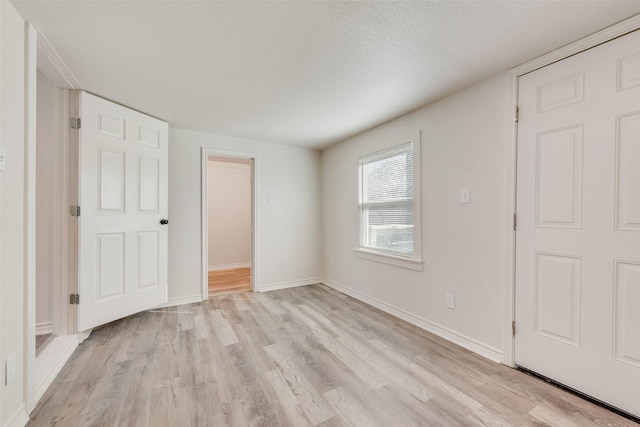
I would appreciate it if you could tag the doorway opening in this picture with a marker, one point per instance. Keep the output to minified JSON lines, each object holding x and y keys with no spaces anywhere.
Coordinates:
{"x":48,"y":180}
{"x":229,"y":222}
{"x":229,"y":213}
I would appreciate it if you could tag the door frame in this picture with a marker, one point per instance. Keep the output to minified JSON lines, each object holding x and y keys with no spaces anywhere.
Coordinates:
{"x":41,"y":55}
{"x":29,"y":390}
{"x":255,"y":214}
{"x":617,"y":30}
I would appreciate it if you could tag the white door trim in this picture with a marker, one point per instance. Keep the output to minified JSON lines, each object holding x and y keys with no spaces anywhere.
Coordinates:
{"x":255,"y":199}
{"x":25,"y":367}
{"x":64,"y":316}
{"x":513,"y":75}
{"x":31,"y":37}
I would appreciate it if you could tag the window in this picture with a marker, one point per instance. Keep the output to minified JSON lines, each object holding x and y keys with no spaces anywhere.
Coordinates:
{"x":389,"y":208}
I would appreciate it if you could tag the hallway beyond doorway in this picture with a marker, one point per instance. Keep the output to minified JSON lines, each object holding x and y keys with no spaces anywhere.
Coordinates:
{"x":229,"y":281}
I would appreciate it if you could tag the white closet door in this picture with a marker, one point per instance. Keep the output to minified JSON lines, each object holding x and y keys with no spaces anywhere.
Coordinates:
{"x":578,"y":238}
{"x":123,"y":198}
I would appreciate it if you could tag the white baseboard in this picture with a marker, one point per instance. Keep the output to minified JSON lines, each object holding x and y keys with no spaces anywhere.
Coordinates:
{"x":82,"y":336}
{"x":44,"y":328}
{"x":462,"y":340}
{"x":290,"y":284}
{"x":50,"y":362}
{"x":181,"y":301}
{"x":230,"y":266}
{"x":19,"y":418}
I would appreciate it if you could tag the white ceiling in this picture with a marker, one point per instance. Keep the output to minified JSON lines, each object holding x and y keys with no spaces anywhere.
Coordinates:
{"x":301,"y":73}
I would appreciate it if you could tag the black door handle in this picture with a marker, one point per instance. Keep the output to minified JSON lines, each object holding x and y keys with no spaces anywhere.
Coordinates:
{"x":164,"y":221}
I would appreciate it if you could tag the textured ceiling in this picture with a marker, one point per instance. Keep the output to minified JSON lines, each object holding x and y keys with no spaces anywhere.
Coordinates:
{"x":301,"y":73}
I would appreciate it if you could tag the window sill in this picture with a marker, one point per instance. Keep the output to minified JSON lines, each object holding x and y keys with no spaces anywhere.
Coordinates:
{"x":409,"y":263}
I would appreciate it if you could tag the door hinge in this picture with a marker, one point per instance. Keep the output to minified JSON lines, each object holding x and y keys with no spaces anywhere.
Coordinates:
{"x":515,"y":221}
{"x":74,"y":210}
{"x":75,"y":123}
{"x":517,"y":113}
{"x":513,"y":328}
{"x":74,"y":299}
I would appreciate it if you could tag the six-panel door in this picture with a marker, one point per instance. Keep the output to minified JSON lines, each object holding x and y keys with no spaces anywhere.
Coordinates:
{"x":123,"y":197}
{"x":578,"y":237}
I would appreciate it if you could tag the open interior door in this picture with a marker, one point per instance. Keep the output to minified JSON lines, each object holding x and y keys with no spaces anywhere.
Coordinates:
{"x":123,"y":172}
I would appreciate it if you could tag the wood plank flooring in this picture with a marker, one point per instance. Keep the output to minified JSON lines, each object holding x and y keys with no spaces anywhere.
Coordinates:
{"x":228,"y":281}
{"x":295,"y":357}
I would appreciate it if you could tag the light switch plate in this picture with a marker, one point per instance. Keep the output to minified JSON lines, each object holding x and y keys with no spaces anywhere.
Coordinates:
{"x":465,"y":196}
{"x":3,"y":161}
{"x":451,"y":301}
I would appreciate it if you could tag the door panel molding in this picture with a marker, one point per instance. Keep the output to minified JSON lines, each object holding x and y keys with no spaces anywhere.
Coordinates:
{"x":560,"y":301}
{"x":625,"y":310}
{"x":556,"y":180}
{"x":627,"y":176}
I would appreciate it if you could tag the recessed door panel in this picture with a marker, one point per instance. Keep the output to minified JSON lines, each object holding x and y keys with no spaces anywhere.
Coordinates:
{"x":149,"y":137}
{"x":629,"y":72}
{"x":110,"y":265}
{"x":149,"y":182}
{"x":628,"y":172}
{"x":112,"y":126}
{"x":560,"y":93}
{"x":557,"y":290}
{"x":111,"y":180}
{"x":148,"y":253}
{"x":559,"y":178}
{"x":627,"y":312}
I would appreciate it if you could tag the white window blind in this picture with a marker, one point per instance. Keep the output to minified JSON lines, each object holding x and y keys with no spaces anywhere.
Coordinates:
{"x":387,"y":201}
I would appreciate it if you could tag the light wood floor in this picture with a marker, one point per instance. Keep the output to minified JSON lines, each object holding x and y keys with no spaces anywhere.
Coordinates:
{"x":295,"y":357}
{"x":228,"y":281}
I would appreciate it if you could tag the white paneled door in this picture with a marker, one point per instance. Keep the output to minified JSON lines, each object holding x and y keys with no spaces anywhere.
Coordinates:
{"x":578,"y":237}
{"x":123,"y":200}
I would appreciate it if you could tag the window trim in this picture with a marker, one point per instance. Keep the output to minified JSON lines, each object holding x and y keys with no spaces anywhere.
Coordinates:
{"x":387,"y":258}
{"x":415,"y":262}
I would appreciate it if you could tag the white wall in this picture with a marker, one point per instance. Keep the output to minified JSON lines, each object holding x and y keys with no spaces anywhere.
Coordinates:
{"x":45,"y":193}
{"x":290,"y":229}
{"x":229,"y":197}
{"x":463,"y":146}
{"x":12,"y":234}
